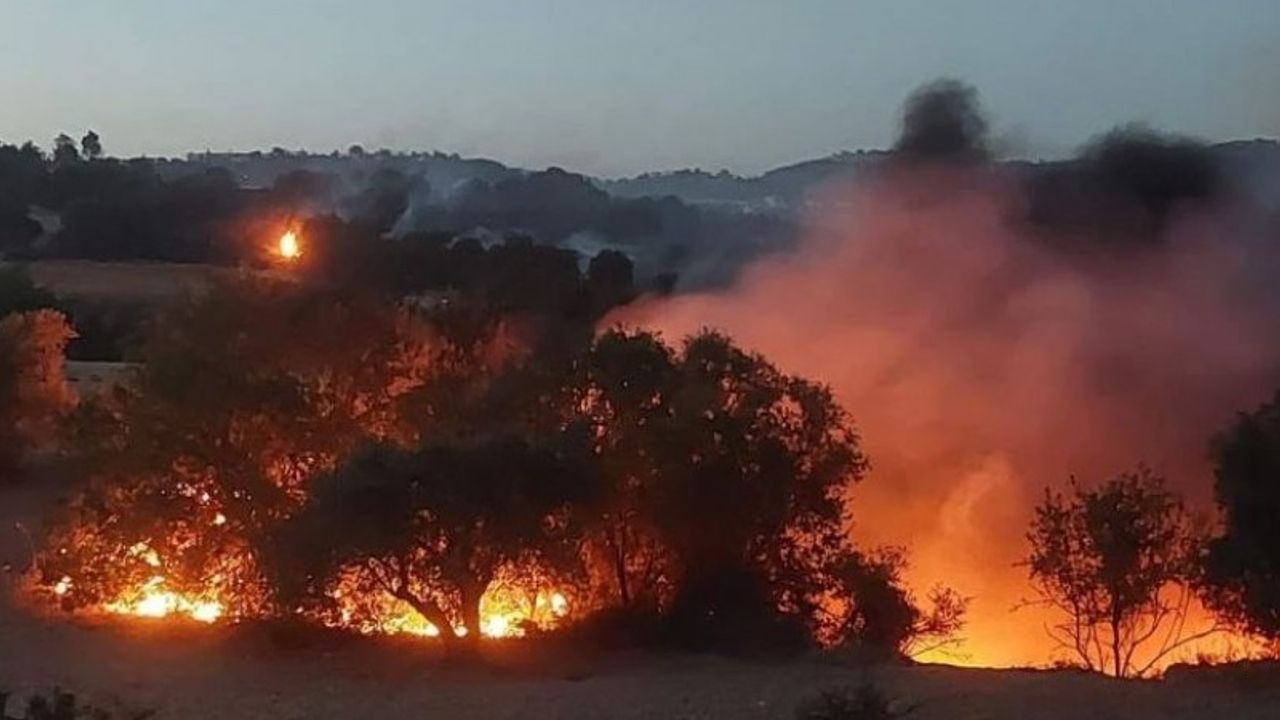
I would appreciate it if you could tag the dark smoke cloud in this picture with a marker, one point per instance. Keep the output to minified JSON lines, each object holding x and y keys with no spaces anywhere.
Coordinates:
{"x":943,"y":121}
{"x":1126,"y":187}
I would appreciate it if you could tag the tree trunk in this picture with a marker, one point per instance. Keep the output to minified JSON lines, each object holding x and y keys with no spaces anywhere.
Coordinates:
{"x":436,"y":615}
{"x":619,"y":566}
{"x":471,"y":618}
{"x":1115,"y":639}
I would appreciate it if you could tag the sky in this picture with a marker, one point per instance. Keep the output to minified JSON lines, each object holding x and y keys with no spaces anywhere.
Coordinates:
{"x":614,"y":87}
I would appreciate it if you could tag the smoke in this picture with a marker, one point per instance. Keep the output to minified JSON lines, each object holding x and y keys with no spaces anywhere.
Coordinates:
{"x":943,"y":121}
{"x":986,"y":355}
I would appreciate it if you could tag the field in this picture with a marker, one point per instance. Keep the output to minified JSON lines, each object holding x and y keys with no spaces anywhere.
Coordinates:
{"x":144,"y":282}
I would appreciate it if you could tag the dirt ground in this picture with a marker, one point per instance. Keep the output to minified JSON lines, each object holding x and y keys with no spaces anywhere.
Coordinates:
{"x":187,"y":673}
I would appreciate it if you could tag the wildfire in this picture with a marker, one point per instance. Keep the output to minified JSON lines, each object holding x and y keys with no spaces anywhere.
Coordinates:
{"x":506,"y":611}
{"x":153,"y":600}
{"x":288,"y":247}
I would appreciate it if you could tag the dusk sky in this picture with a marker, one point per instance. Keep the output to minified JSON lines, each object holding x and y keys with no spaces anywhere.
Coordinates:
{"x":614,"y":87}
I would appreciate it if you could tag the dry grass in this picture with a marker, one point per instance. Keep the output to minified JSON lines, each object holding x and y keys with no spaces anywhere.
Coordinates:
{"x":133,"y":282}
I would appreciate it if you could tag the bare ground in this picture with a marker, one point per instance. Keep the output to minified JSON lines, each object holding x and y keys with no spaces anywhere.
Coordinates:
{"x":190,"y":673}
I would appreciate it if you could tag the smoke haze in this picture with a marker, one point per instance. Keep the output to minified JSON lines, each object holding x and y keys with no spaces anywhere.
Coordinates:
{"x":985,"y":357}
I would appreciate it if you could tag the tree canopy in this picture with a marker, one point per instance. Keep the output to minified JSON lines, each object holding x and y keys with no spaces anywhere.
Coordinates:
{"x":1242,"y":576}
{"x":34,"y":394}
{"x":1117,"y":562}
{"x":433,"y":527}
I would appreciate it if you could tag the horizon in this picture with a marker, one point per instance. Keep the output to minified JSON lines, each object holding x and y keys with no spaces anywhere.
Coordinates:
{"x":303,"y":152}
{"x":576,"y":85}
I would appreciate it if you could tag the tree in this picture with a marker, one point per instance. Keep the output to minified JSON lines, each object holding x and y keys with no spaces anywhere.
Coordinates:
{"x":91,"y":146}
{"x":23,"y":182}
{"x":19,"y":294}
{"x":1242,"y":578}
{"x":610,"y":277}
{"x":1116,"y":562}
{"x":434,"y":526}
{"x":630,"y":381}
{"x":64,"y":151}
{"x":244,"y":395}
{"x":720,"y":468}
{"x":779,"y":445}
{"x":34,"y":394}
{"x":876,"y":611}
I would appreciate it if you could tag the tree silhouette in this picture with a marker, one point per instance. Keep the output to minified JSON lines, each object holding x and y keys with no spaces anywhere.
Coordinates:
{"x":723,"y":472}
{"x":878,"y":612}
{"x":64,"y":150}
{"x":432,"y":527}
{"x":1242,"y":578}
{"x":1117,"y":563}
{"x":91,"y":146}
{"x":19,"y":294}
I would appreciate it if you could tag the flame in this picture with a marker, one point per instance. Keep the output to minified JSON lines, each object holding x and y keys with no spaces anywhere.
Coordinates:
{"x":508,"y":609}
{"x":153,"y":600}
{"x":288,"y":247}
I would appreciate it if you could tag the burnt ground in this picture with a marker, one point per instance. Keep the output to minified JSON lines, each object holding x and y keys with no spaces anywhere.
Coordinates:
{"x":185,"y":672}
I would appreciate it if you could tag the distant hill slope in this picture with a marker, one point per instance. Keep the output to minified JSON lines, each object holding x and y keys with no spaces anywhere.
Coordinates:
{"x":1252,"y":165}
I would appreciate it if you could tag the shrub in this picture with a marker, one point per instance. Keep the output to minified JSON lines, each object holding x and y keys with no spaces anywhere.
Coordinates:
{"x":865,"y":701}
{"x":731,"y":610}
{"x":59,"y":705}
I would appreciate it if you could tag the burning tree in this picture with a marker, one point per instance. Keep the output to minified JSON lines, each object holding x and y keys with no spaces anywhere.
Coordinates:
{"x":1117,"y":562}
{"x":433,"y":528}
{"x":262,"y":463}
{"x":34,"y":394}
{"x":244,"y":395}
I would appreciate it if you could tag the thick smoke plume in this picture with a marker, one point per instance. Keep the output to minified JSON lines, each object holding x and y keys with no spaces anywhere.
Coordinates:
{"x":987,"y":353}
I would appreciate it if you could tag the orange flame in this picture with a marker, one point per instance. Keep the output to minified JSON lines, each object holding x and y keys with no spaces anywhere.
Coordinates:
{"x":288,"y":247}
{"x":506,"y":610}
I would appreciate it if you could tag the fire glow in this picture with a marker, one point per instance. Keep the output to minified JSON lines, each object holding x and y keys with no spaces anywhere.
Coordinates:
{"x":152,"y":600}
{"x":288,"y":248}
{"x":506,"y":611}
{"x":994,"y":379}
